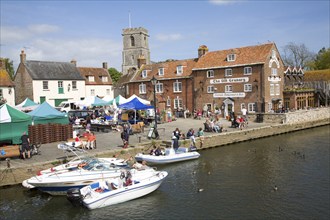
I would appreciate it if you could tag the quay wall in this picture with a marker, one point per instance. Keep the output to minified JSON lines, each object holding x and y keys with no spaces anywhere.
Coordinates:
{"x":294,"y":121}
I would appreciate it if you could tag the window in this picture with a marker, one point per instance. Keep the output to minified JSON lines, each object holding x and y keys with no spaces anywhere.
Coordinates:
{"x":270,"y":107}
{"x":74,"y":84}
{"x":210,"y":74}
{"x":272,"y":89}
{"x":161,"y":71}
{"x":168,"y":101}
{"x":60,"y":87}
{"x":132,"y":41}
{"x":210,"y":89}
{"x":247,"y":87}
{"x":243,"y":106}
{"x":91,"y":78}
{"x":251,"y":107}
{"x":107,"y":91}
{"x":179,"y":69}
{"x":104,"y":79}
{"x":177,"y":103}
{"x":159,"y":88}
{"x":231,"y":57}
{"x":45,"y":85}
{"x":177,"y":86}
{"x":277,"y":89}
{"x":274,"y":72}
{"x":228,"y":88}
{"x":144,"y":74}
{"x":92,"y":92}
{"x":142,"y":88}
{"x":228,"y":72}
{"x":247,"y":70}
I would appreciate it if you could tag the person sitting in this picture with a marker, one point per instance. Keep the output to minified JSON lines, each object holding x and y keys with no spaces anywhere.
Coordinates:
{"x":158,"y":151}
{"x":153,"y":151}
{"x":141,"y":166}
{"x":191,"y":136}
{"x":91,"y":141}
{"x":78,"y":140}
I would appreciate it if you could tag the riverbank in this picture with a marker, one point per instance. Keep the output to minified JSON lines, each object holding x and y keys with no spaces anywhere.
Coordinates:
{"x":109,"y":144}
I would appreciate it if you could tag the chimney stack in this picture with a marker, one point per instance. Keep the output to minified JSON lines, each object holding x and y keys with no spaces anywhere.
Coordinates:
{"x":141,"y":61}
{"x":23,"y":56}
{"x":202,"y":50}
{"x":74,"y":62}
{"x":105,"y":65}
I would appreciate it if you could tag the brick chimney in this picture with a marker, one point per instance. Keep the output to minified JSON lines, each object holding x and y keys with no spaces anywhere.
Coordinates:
{"x":105,"y":65}
{"x":23,"y":56}
{"x":202,"y":50}
{"x":141,"y":61}
{"x":74,"y":62}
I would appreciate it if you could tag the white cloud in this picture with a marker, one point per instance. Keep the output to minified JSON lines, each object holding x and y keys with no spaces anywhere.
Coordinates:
{"x":43,"y":28}
{"x":169,"y":37}
{"x":222,"y":2}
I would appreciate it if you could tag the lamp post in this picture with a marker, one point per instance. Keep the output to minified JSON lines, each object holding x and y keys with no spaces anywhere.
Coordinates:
{"x":154,"y":82}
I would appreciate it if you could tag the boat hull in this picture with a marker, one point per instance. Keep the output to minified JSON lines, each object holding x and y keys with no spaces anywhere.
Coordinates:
{"x":173,"y":158}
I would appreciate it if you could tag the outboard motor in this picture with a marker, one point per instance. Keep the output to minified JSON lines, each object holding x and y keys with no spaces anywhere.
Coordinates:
{"x":74,"y":196}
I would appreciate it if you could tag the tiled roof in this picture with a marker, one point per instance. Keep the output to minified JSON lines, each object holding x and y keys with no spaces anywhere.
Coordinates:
{"x":317,"y":75}
{"x":5,"y":80}
{"x":47,"y":70}
{"x":98,"y":73}
{"x":170,"y":70}
{"x":244,"y":55}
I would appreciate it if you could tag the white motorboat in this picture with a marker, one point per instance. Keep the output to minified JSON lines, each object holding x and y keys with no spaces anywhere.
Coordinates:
{"x":110,"y":192}
{"x":171,"y":156}
{"x":85,"y":173}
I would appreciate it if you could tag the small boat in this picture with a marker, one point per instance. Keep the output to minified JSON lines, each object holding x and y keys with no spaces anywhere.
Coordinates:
{"x":171,"y":156}
{"x":57,"y":182}
{"x":114,"y":191}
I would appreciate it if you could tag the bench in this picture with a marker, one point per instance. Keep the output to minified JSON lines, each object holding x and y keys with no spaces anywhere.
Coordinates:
{"x":10,"y":151}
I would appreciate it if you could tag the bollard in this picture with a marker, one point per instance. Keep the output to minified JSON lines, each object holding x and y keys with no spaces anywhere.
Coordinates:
{"x":8,"y":162}
{"x":139,"y":139}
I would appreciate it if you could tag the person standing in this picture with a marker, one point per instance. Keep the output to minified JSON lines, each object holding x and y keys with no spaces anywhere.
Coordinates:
{"x":244,"y":114}
{"x":200,"y":134}
{"x":25,"y":145}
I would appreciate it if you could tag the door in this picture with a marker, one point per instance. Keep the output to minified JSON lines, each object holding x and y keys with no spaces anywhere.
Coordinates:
{"x":42,"y":99}
{"x":229,"y":107}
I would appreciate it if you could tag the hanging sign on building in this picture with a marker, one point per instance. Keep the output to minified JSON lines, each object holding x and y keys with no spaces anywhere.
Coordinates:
{"x":230,"y":80}
{"x":229,"y":94}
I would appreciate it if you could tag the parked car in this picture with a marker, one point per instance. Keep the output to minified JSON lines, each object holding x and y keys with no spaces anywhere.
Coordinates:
{"x":81,"y":114}
{"x":66,"y":106}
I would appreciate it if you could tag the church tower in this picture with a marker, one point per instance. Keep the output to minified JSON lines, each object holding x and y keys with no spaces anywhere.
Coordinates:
{"x":135,"y":46}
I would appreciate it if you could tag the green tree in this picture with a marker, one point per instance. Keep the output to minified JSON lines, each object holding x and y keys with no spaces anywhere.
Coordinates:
{"x":322,"y":60}
{"x":9,"y":67}
{"x":114,"y":74}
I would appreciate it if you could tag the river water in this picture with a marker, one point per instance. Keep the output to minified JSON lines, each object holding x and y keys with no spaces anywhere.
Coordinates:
{"x":231,"y":182}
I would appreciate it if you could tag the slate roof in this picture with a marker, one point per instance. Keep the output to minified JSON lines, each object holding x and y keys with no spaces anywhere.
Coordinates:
{"x":244,"y":56}
{"x":98,"y":73}
{"x":170,"y":70}
{"x":47,"y":70}
{"x":5,"y":80}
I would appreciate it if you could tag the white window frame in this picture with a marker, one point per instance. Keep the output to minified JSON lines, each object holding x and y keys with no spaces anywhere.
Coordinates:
{"x":248,"y":70}
{"x":277,"y":89}
{"x":247,"y":87}
{"x":45,"y":85}
{"x":159,"y":88}
{"x":104,"y":79}
{"x":272,"y":89}
{"x":251,"y":107}
{"x":161,"y":71}
{"x":274,"y":72}
{"x":228,"y":88}
{"x":242,"y":105}
{"x":168,"y":101}
{"x":231,"y":57}
{"x":228,"y":72}
{"x":177,"y":86}
{"x":92,"y":92}
{"x":107,"y":91}
{"x":144,"y":74}
{"x":177,"y":103}
{"x":210,"y":89}
{"x":179,"y":69}
{"x":210,"y":74}
{"x":91,"y":79}
{"x":142,"y":88}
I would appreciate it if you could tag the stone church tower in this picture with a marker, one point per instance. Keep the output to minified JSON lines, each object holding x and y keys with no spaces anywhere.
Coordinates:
{"x":135,"y":47}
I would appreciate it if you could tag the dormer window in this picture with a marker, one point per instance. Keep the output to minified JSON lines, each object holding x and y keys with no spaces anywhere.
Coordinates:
{"x":231,"y":57}
{"x":161,"y":71}
{"x":91,"y":78}
{"x":179,"y":69}
{"x":144,"y":74}
{"x":210,"y":74}
{"x":104,"y":79}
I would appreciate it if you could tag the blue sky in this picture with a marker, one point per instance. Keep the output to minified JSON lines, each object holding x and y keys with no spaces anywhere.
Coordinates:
{"x":90,"y":31}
